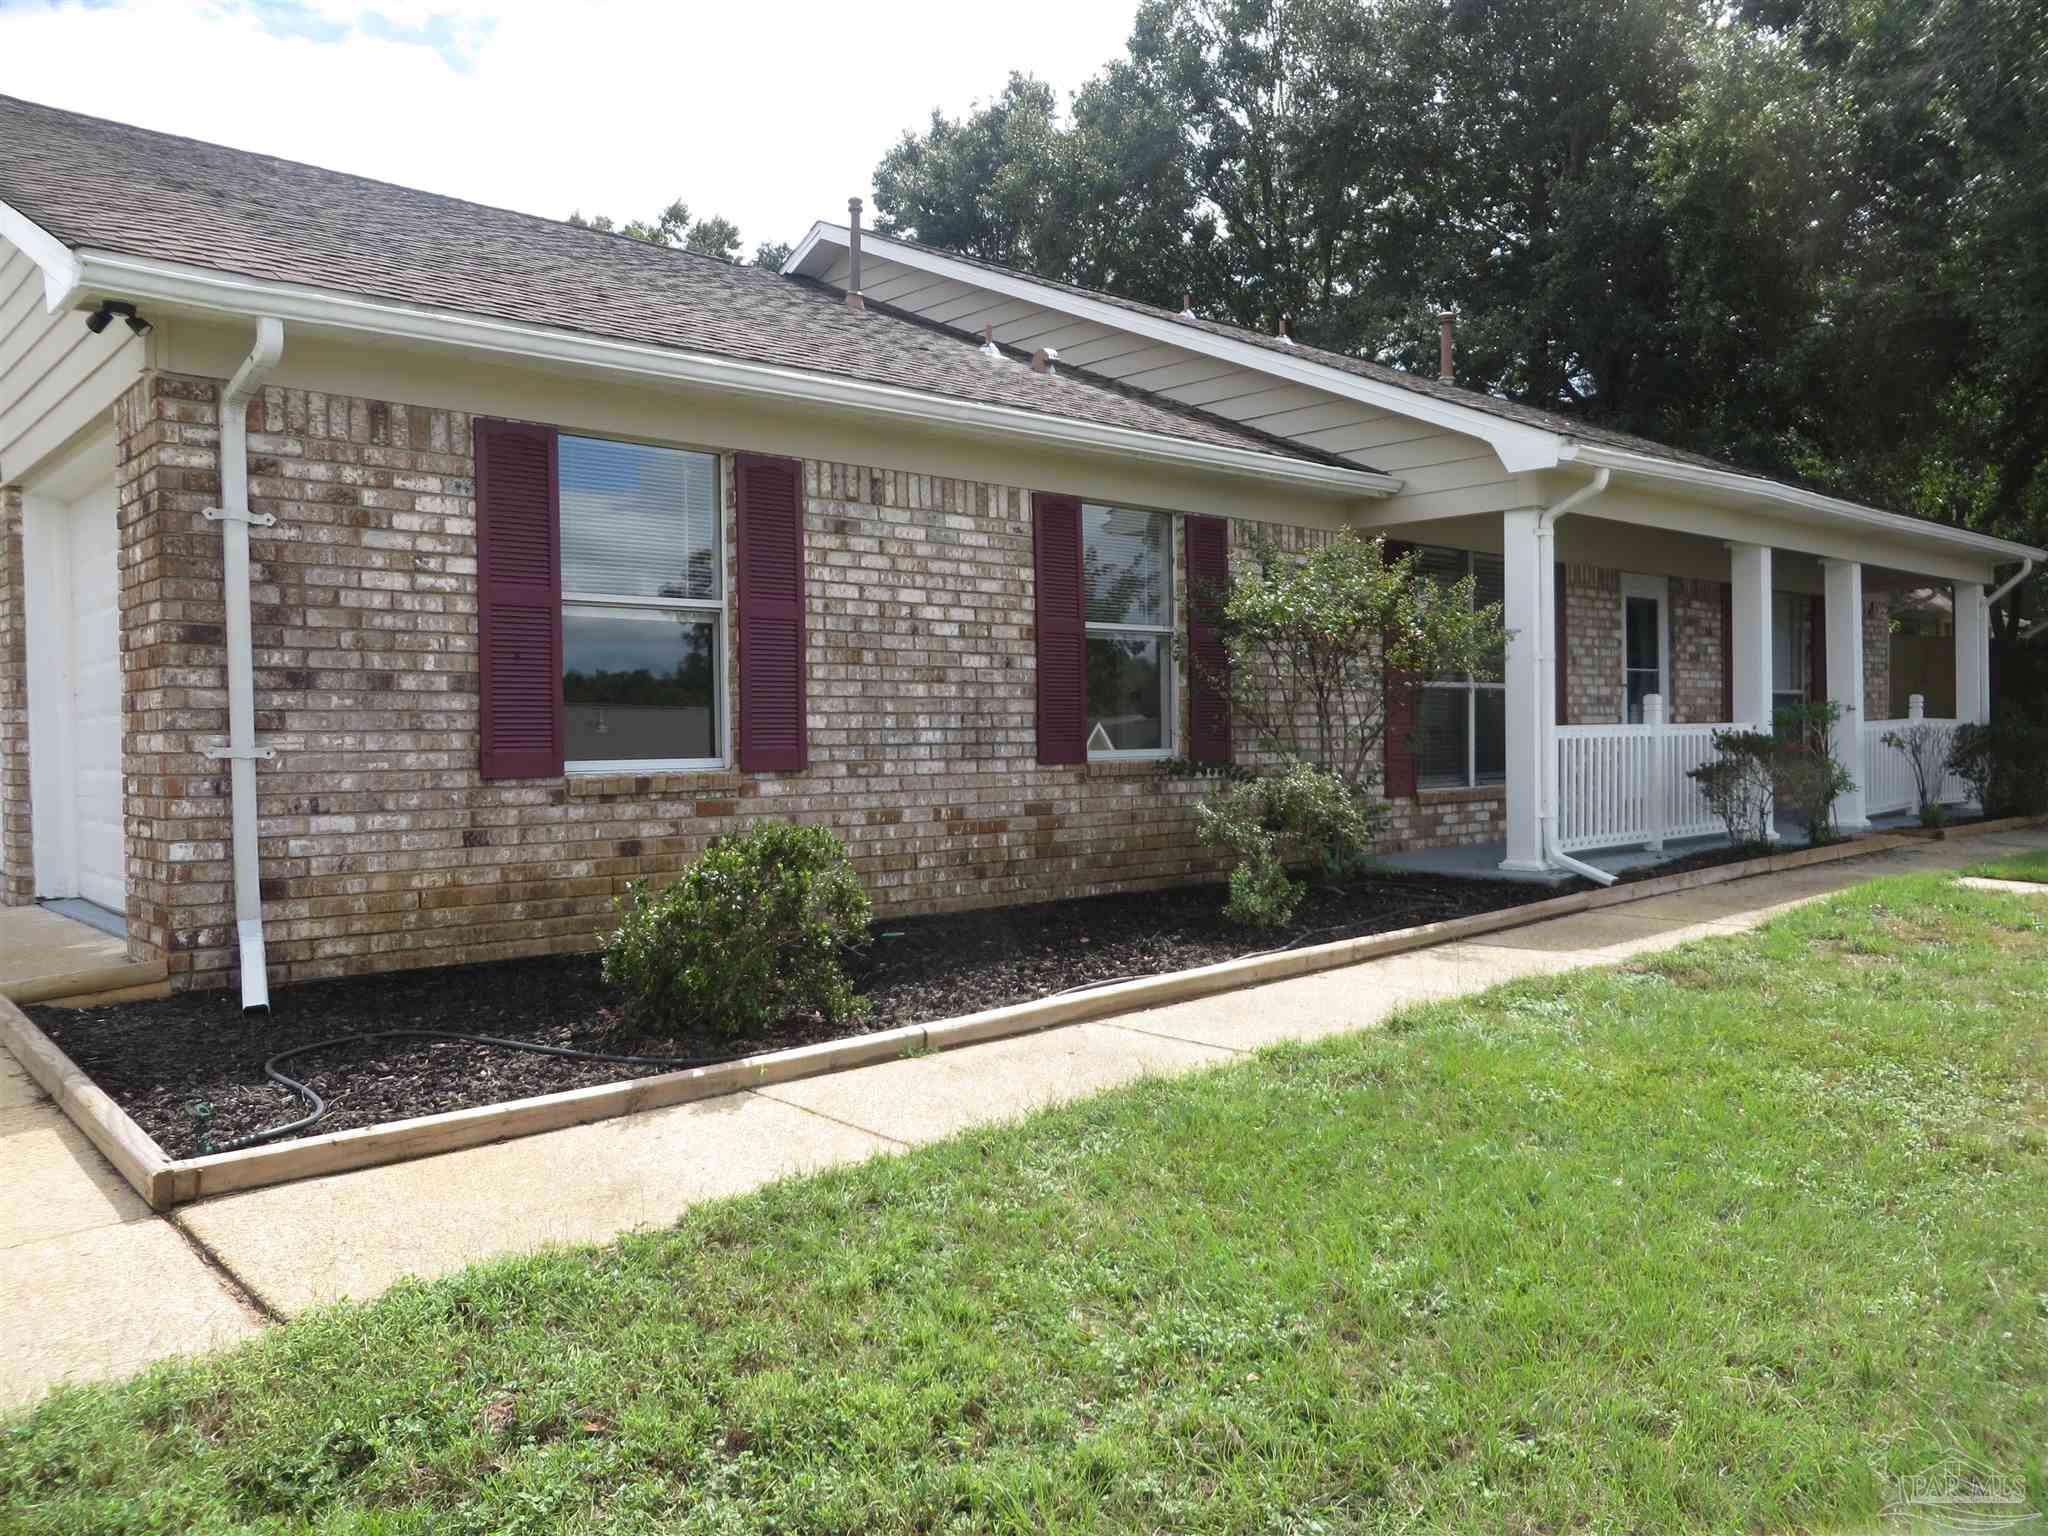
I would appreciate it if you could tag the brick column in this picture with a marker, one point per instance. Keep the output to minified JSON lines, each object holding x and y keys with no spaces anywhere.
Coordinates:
{"x":17,"y":858}
{"x":173,"y":687}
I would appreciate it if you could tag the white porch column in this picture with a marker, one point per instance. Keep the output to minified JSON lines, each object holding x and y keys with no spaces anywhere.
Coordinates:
{"x":1749,"y":569}
{"x":1531,"y":678}
{"x":1843,"y":585}
{"x":1973,"y":655}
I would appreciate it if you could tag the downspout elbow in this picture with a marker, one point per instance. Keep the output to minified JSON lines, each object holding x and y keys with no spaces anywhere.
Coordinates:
{"x":2026,"y":570}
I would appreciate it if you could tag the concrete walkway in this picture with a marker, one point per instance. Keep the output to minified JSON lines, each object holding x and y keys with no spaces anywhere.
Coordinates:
{"x":92,"y":1285}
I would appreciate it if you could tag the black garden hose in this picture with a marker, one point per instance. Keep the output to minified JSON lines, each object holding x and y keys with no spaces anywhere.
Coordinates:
{"x":312,"y":1117}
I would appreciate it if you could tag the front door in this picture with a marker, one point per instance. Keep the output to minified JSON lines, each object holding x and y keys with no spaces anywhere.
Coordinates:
{"x":75,"y":699}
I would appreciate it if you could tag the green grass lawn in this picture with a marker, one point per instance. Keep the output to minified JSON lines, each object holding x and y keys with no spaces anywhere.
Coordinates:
{"x":1721,"y":1240}
{"x":2021,"y":866}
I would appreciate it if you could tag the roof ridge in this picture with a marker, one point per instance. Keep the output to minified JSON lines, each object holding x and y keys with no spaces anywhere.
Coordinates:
{"x":374,"y":181}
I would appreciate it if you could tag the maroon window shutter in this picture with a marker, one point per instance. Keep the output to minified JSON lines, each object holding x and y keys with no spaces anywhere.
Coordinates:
{"x":519,"y":600}
{"x":1817,"y":630}
{"x":1397,"y":740}
{"x":1728,"y":653}
{"x":1208,"y":578}
{"x":771,"y":591}
{"x":1061,"y":628}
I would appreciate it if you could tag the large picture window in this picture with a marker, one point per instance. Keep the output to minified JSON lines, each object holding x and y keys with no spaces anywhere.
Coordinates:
{"x":1127,"y":570}
{"x":642,"y":607}
{"x":1462,"y":722}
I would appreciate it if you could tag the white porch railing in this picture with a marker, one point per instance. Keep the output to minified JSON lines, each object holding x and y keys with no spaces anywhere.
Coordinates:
{"x":1887,"y":775}
{"x":1619,"y":785}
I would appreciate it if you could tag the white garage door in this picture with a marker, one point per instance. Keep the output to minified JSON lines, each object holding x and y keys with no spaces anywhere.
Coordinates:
{"x":96,"y":676}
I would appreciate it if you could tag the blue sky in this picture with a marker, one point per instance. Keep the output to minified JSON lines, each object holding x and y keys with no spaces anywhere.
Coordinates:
{"x":771,"y":114}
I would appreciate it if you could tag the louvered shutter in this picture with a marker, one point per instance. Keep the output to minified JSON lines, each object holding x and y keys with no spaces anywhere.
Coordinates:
{"x":519,"y":607}
{"x":1397,"y":741}
{"x":1061,"y":629}
{"x":771,"y":593}
{"x":1208,"y":579}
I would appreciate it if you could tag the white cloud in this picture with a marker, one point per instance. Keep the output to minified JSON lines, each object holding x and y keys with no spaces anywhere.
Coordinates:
{"x":770,"y":114}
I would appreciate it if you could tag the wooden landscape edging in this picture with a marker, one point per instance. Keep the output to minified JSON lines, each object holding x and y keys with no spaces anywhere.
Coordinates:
{"x":166,"y":1182}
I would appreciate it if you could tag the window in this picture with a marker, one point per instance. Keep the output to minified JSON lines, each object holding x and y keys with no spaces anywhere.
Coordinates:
{"x":1643,"y":671}
{"x":1462,"y":723}
{"x":642,"y":607}
{"x":1791,"y":649}
{"x":1127,"y":575}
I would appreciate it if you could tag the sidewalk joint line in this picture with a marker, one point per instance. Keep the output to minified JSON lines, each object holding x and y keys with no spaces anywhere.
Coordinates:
{"x":805,"y":1109}
{"x":251,"y":1300}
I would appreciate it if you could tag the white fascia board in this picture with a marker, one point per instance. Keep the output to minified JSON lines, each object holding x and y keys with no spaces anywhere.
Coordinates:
{"x":58,"y":263}
{"x":1519,"y":448}
{"x":226,"y":293}
{"x":1777,"y":493}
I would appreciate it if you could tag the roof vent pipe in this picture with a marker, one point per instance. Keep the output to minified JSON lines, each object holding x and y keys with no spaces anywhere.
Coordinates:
{"x":1187,"y":304}
{"x":1446,"y":319}
{"x":1045,"y":360}
{"x":853,"y":298}
{"x":1286,"y":330}
{"x":988,"y":342}
{"x":241,"y":752}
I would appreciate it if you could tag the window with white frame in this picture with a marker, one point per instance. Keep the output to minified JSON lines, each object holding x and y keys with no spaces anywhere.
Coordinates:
{"x":643,"y":582}
{"x":1791,"y":649}
{"x":1127,"y":571}
{"x":1462,"y":722}
{"x":1645,"y":658}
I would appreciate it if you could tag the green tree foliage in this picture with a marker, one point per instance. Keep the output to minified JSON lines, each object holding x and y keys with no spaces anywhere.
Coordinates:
{"x":1810,"y":236}
{"x":673,"y":226}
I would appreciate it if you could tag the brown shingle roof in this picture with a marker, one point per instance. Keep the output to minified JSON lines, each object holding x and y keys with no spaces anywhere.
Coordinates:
{"x":110,"y":187}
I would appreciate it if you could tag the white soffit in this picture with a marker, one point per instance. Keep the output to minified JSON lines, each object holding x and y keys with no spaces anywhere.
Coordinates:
{"x":1181,"y":362}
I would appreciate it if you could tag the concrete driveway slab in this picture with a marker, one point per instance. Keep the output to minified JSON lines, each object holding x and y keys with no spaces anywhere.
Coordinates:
{"x":17,"y":1088}
{"x":107,"y":1302}
{"x":353,"y":1234}
{"x":922,"y":1098}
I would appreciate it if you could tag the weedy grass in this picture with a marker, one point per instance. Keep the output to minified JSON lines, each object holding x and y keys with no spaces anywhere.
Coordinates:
{"x":1722,"y":1240}
{"x":2021,"y":866}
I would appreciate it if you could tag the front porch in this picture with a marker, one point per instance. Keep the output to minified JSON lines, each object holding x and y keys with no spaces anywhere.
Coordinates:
{"x":1638,"y":633}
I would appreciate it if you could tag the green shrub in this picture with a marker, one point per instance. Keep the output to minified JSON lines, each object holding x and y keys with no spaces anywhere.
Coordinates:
{"x":1741,"y":784}
{"x":1924,"y":745}
{"x":750,"y":934}
{"x":1303,"y":816}
{"x":2005,"y":764}
{"x":1810,"y":777}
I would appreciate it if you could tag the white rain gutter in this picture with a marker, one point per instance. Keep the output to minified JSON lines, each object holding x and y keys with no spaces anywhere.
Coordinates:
{"x":241,"y":752}
{"x":176,"y":283}
{"x":2026,"y":570}
{"x":1546,"y":673}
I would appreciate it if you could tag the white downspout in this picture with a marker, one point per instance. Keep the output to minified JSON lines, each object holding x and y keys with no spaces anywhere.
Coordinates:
{"x":1546,"y":674}
{"x":2026,"y":570}
{"x":241,"y":752}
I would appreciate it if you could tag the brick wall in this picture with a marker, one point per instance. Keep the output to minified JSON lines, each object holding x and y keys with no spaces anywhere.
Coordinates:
{"x":382,"y":847}
{"x":1697,"y":694}
{"x":1592,"y":641}
{"x":17,"y":853}
{"x":1877,"y":659}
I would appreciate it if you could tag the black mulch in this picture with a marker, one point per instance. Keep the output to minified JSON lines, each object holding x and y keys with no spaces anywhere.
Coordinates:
{"x":189,"y":1068}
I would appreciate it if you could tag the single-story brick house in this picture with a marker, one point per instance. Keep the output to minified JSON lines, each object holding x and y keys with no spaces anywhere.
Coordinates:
{"x":386,"y":579}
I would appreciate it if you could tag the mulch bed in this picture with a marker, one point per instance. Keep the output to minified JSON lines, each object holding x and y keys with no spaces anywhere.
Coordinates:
{"x":189,"y":1068}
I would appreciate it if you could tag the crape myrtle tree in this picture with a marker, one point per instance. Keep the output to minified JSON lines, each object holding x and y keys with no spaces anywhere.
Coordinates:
{"x":1325,"y":646}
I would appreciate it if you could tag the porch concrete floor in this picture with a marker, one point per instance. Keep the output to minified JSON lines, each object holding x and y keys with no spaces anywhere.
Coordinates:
{"x":91,"y":1284}
{"x":1481,"y":861}
{"x":47,"y":957}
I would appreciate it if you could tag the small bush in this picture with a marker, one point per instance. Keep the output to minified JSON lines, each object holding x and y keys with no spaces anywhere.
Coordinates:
{"x":751,"y":933}
{"x":1741,"y":784}
{"x":1810,"y":777}
{"x":2005,"y":764}
{"x":1924,"y":746}
{"x":1303,"y":816}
